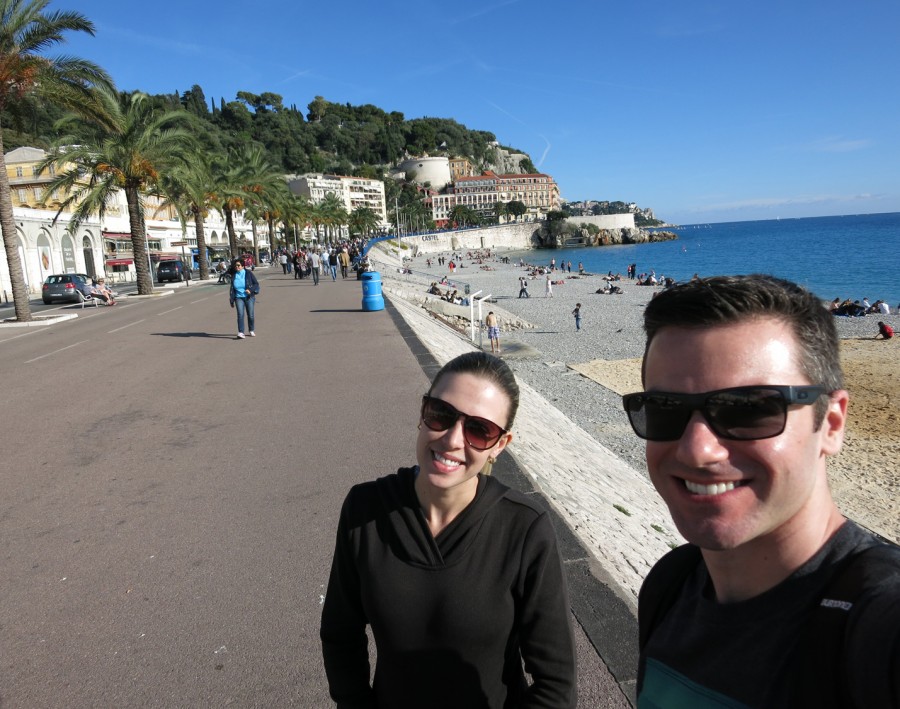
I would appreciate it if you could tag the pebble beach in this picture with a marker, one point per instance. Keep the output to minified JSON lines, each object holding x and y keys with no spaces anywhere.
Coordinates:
{"x":584,"y":373}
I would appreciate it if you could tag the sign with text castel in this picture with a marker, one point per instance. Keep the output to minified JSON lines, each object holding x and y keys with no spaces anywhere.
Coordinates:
{"x":178,"y":243}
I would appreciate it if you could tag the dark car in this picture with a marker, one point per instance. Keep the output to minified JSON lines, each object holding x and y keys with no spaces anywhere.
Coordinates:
{"x":64,"y":287}
{"x":170,"y":271}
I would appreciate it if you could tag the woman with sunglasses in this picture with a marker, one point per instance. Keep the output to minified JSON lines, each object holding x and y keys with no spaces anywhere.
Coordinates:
{"x":458,"y":576}
{"x":242,"y":295}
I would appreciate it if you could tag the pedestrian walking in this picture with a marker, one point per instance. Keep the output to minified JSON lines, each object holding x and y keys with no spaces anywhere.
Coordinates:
{"x":242,"y":296}
{"x":493,"y":329}
{"x":577,"y":314}
{"x":314,"y":262}
{"x":283,"y":259}
{"x":458,"y":577}
{"x":548,"y":288}
{"x":523,"y":287}
{"x":333,"y":264}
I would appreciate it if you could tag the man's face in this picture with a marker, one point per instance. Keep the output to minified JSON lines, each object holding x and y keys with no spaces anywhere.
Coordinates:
{"x":779,"y":483}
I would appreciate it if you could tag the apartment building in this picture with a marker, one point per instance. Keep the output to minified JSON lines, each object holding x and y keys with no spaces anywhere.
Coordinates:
{"x":461,"y":167}
{"x":538,"y":192}
{"x":354,"y":192}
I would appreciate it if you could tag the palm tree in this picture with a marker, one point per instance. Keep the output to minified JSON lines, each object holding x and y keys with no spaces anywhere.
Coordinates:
{"x":25,"y":31}
{"x":333,"y":213}
{"x":241,"y":180}
{"x":363,"y":220}
{"x":188,"y":188}
{"x":127,"y":147}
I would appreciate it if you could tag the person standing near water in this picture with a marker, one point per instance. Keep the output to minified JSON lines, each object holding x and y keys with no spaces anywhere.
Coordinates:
{"x":548,"y":288}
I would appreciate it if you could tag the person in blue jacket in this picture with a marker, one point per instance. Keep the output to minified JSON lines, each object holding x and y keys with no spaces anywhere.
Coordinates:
{"x":244,"y":289}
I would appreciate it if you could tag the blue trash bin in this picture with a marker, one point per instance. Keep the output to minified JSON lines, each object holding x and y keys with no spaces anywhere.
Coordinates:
{"x":371,"y":288}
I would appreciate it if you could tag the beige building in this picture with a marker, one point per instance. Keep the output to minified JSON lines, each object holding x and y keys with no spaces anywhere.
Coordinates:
{"x":538,"y":192}
{"x":461,"y":167}
{"x":354,"y":192}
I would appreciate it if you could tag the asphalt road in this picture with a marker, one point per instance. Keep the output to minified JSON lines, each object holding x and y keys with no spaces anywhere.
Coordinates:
{"x":170,"y":494}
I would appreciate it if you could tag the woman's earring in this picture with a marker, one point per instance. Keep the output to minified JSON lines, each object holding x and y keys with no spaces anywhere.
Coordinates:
{"x":419,"y":426}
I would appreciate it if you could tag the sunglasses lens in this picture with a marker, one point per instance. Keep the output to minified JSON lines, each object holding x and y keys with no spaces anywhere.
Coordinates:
{"x":438,"y":415}
{"x":480,"y":433}
{"x":657,"y":417}
{"x":748,"y":414}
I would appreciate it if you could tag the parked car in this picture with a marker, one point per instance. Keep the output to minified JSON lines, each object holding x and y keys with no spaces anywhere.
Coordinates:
{"x":170,"y":271}
{"x":64,"y":287}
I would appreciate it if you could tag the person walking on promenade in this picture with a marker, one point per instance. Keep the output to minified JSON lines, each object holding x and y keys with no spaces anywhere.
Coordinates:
{"x":344,"y":259}
{"x":458,"y":577}
{"x":242,"y":296}
{"x":577,"y":314}
{"x":744,"y":404}
{"x":333,"y":264}
{"x":314,"y":261}
{"x":548,"y":288}
{"x":283,"y":260}
{"x":523,"y":287}
{"x":493,"y":331}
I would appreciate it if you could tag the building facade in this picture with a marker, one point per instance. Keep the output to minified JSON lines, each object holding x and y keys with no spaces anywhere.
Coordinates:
{"x":47,"y":244}
{"x":354,"y":192}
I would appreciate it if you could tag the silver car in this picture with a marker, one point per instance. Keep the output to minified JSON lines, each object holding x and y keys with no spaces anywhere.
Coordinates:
{"x":64,"y":287}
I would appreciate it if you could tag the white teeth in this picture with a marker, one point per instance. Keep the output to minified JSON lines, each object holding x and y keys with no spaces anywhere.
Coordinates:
{"x":716,"y":489}
{"x":445,"y":461}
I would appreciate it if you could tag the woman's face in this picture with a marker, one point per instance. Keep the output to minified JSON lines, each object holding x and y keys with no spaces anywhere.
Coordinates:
{"x":445,"y":460}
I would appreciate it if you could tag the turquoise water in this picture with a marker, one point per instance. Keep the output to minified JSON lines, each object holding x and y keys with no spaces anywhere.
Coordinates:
{"x":847,"y":257}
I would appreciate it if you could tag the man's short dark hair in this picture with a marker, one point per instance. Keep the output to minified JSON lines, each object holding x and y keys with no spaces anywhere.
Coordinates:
{"x":724,"y":300}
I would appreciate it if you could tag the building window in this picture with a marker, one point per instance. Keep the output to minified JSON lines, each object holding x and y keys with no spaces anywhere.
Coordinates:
{"x":18,"y":172}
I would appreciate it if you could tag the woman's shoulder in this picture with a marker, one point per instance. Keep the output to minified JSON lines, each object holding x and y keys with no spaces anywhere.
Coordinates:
{"x":368,"y":497}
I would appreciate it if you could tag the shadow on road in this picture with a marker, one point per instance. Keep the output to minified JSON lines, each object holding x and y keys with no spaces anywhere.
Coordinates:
{"x":192,"y":334}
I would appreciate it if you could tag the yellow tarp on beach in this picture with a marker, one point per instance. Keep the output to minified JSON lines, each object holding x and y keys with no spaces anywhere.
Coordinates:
{"x":622,"y":376}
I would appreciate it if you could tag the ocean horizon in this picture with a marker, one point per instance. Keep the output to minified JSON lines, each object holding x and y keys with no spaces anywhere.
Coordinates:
{"x":852,"y":256}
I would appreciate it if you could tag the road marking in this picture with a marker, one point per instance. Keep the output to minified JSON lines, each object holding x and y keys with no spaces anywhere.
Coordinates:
{"x":172,"y":310}
{"x":56,"y":351}
{"x":110,"y":332}
{"x":201,"y":300}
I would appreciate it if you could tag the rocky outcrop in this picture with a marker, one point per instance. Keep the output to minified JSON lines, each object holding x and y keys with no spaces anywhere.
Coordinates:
{"x":611,"y":237}
{"x":503,"y":162}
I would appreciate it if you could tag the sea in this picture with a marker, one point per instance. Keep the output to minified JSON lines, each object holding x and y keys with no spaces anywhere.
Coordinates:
{"x":852,"y":256}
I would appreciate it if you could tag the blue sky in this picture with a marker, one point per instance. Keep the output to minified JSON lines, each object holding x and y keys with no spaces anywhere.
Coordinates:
{"x":704,"y":110}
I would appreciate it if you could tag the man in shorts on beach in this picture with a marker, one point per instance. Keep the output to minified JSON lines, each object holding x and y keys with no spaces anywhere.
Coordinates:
{"x":493,"y":328}
{"x":777,"y":600}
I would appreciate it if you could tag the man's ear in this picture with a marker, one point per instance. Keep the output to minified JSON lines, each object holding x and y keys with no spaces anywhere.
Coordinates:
{"x":835,"y":422}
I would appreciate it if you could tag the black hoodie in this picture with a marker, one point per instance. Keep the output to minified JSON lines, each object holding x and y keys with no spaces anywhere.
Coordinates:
{"x":452,"y":617}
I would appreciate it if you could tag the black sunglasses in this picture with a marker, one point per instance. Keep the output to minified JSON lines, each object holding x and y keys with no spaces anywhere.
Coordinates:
{"x":740,"y":414}
{"x":479,"y":433}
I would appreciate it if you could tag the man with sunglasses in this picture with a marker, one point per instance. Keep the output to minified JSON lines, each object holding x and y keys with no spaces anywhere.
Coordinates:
{"x":778,"y":600}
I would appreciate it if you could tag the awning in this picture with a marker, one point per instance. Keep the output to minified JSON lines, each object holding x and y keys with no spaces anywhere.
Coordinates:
{"x":119,"y":261}
{"x":116,"y":235}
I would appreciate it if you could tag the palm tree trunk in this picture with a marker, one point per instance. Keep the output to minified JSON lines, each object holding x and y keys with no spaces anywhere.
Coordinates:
{"x":232,"y":237}
{"x":201,"y":245}
{"x":138,"y":241}
{"x":255,"y":242}
{"x":11,"y":244}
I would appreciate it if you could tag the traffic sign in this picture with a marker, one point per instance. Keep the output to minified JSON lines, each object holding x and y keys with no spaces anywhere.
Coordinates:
{"x":178,"y":243}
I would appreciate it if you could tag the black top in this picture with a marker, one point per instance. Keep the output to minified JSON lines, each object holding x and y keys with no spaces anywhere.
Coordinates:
{"x":452,"y":616}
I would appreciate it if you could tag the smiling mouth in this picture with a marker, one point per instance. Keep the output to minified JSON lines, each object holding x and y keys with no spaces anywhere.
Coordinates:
{"x":714,"y":489}
{"x":448,"y":462}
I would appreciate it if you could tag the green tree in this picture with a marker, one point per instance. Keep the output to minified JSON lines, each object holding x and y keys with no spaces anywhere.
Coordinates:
{"x":363,"y":221}
{"x":516,"y":208}
{"x":500,"y":211}
{"x":189,"y":189}
{"x":334,"y":215}
{"x":126,"y":147}
{"x":27,"y":30}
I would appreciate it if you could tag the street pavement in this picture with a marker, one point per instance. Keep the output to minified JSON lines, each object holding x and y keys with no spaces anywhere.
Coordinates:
{"x":171,"y":496}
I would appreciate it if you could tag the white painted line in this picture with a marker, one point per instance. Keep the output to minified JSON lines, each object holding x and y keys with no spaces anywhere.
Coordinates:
{"x":110,"y":332}
{"x":171,"y":311}
{"x":56,"y":351}
{"x":201,"y":300}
